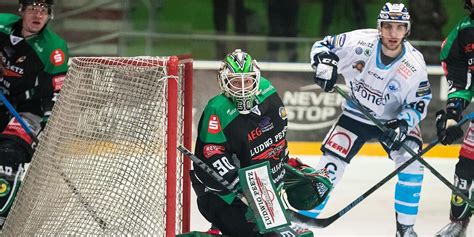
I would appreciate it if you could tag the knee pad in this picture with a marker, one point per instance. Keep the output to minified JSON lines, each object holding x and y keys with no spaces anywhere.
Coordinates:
{"x":463,"y":176}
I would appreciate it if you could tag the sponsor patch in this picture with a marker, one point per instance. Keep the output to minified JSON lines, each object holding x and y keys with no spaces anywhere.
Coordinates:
{"x":341,"y":39}
{"x":423,"y":89}
{"x":457,"y":200}
{"x":358,"y":65}
{"x":393,"y":86}
{"x":58,"y":82}
{"x":212,"y":149}
{"x":282,"y":112}
{"x":469,"y":48}
{"x":21,"y":59}
{"x":266,"y":124}
{"x":214,"y":125}
{"x":4,"y":187}
{"x":367,"y":52}
{"x":359,"y":50}
{"x":340,"y":141}
{"x":57,"y":57}
{"x":404,"y":71}
{"x":467,"y":147}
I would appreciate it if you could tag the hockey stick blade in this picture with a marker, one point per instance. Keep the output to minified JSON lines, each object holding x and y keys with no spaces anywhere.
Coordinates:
{"x":382,"y":127}
{"x":75,"y":191}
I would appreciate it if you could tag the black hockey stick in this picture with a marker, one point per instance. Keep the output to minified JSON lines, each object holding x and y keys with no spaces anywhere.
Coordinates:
{"x":379,"y":124}
{"x":68,"y":182}
{"x":324,"y":222}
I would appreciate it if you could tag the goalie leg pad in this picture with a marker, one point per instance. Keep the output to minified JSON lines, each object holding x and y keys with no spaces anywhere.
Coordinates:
{"x":408,"y":187}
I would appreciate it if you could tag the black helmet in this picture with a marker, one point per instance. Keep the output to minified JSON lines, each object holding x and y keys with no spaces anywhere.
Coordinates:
{"x":29,"y":2}
{"x":47,"y":3}
{"x":468,"y":5}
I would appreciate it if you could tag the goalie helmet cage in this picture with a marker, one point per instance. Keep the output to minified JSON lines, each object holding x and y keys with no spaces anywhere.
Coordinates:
{"x":107,"y":162}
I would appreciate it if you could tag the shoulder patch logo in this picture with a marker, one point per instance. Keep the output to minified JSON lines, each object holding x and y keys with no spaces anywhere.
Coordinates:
{"x":214,"y":125}
{"x":58,"y":82}
{"x":212,"y":149}
{"x":57,"y":57}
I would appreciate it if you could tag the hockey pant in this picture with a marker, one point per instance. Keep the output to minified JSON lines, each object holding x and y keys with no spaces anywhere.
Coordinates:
{"x":343,"y":142}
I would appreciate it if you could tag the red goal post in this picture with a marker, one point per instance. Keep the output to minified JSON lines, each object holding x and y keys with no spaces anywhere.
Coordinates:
{"x":107,"y":162}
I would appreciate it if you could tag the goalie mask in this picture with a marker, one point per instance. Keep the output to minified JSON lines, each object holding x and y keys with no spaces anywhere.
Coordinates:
{"x":394,"y":13}
{"x":239,"y":79}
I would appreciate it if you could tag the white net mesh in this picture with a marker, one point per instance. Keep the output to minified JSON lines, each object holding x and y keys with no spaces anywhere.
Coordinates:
{"x":100,"y":168}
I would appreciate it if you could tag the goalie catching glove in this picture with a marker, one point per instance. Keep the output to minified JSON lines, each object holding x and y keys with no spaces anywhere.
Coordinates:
{"x":305,"y":187}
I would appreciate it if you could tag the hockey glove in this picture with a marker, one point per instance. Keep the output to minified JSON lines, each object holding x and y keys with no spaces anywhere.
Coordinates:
{"x":446,"y":127}
{"x":325,"y":64}
{"x":395,"y":134}
{"x":305,"y":187}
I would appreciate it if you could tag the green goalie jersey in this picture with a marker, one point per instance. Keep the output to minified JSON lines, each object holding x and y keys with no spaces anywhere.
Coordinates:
{"x":228,"y":140}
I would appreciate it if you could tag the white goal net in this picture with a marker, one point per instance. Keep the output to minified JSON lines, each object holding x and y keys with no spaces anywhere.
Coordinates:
{"x":107,"y":163}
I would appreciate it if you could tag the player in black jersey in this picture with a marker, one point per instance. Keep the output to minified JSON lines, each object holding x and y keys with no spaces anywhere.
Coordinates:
{"x":457,"y":57}
{"x":33,"y":65}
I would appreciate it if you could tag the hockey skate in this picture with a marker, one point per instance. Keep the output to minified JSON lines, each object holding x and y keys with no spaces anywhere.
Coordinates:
{"x":454,"y":229}
{"x":405,"y":231}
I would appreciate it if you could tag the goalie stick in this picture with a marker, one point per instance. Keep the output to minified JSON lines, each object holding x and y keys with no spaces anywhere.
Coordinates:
{"x":379,"y":124}
{"x":68,"y":182}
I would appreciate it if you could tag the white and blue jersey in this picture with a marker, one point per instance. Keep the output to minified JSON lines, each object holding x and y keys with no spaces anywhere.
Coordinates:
{"x":398,"y":90}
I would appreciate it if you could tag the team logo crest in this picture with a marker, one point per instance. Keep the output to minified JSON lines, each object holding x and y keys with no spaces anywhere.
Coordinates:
{"x":282,"y":112}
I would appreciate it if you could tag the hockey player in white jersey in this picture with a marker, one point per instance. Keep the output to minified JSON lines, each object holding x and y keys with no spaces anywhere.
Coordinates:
{"x":387,"y":76}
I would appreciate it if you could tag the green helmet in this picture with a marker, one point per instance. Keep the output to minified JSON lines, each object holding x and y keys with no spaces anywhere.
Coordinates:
{"x":239,"y":79}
